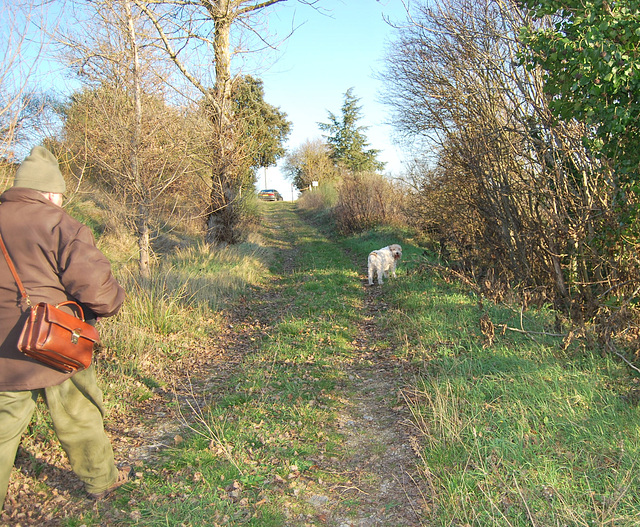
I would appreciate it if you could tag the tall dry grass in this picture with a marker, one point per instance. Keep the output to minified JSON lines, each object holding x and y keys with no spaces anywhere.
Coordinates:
{"x":167,"y":317}
{"x":183,"y":299}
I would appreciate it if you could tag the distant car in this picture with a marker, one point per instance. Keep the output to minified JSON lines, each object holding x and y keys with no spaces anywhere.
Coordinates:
{"x":270,"y":195}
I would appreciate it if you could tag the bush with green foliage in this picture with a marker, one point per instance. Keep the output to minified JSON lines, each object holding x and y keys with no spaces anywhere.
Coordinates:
{"x":590,"y":54}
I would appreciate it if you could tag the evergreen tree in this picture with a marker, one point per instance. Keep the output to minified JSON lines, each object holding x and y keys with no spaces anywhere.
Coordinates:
{"x":347,"y":140}
{"x":261,"y":130}
{"x":265,"y":128}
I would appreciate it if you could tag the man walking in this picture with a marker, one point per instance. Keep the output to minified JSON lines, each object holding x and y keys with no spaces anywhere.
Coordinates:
{"x":57,"y":260}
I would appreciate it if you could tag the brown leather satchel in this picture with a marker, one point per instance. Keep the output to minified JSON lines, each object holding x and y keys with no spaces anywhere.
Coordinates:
{"x":54,"y":337}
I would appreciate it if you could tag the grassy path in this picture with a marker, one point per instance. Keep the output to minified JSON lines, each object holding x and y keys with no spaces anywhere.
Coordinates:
{"x":298,"y":418}
{"x":289,"y":416}
{"x":314,"y":400}
{"x":365,"y":474}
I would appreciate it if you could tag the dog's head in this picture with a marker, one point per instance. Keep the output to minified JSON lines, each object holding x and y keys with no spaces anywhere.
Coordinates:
{"x":396,"y":251}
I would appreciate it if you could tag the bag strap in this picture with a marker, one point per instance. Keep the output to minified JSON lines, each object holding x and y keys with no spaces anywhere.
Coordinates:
{"x":75,"y":304}
{"x":12,"y":268}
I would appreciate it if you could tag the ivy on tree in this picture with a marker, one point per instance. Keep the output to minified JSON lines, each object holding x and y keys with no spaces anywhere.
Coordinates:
{"x":265,"y":127}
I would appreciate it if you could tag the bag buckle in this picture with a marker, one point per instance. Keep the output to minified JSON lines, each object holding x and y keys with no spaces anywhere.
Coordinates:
{"x":75,"y":336}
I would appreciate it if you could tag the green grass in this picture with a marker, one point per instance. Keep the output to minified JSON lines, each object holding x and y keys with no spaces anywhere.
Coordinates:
{"x":513,"y":431}
{"x":519,"y":431}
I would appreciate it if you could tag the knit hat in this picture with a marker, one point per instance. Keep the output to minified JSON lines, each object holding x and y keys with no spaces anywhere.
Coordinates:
{"x":40,"y":171}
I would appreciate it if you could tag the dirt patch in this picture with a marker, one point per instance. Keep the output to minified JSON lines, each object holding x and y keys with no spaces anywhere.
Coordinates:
{"x":381,"y":485}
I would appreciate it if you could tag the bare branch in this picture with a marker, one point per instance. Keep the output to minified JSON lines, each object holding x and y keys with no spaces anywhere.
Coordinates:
{"x":173,"y":54}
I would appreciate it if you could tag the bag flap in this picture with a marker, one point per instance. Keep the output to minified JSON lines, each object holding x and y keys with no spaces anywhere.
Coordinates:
{"x":56,"y":316}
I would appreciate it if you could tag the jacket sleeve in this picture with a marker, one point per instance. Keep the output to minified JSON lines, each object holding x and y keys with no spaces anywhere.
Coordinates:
{"x":86,"y":274}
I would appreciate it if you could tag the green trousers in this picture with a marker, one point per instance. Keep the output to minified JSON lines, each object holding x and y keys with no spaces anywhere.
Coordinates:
{"x":76,"y":410}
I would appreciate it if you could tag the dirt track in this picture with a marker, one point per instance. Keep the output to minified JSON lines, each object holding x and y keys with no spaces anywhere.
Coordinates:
{"x":379,"y":484}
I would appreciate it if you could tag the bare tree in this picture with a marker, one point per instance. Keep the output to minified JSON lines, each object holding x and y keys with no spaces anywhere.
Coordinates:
{"x":187,"y":25}
{"x":22,"y":43}
{"x":512,"y":191}
{"x":310,"y":162}
{"x":120,"y":124}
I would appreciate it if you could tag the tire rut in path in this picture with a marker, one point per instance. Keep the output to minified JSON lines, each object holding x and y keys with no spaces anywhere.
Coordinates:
{"x":380,"y":462}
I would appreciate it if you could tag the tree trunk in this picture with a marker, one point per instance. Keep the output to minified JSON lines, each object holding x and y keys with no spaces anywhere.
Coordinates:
{"x":144,"y":244}
{"x":224,"y":215}
{"x":143,"y":210}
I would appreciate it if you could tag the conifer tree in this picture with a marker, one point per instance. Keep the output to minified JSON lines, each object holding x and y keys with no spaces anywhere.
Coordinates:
{"x":348,"y":141}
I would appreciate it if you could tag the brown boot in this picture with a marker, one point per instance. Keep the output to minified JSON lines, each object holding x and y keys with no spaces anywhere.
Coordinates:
{"x":125,"y":474}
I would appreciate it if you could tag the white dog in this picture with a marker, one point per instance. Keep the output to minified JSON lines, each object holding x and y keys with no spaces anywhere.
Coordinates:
{"x":383,"y":261}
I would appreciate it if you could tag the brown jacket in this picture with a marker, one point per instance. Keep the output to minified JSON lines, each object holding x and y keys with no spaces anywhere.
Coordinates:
{"x":56,"y":258}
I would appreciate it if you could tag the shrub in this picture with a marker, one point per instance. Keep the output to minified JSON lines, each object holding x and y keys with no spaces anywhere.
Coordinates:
{"x":366,"y":200}
{"x":321,"y":198}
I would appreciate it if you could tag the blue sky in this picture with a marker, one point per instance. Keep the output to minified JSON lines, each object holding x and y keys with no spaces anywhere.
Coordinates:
{"x":343,"y":47}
